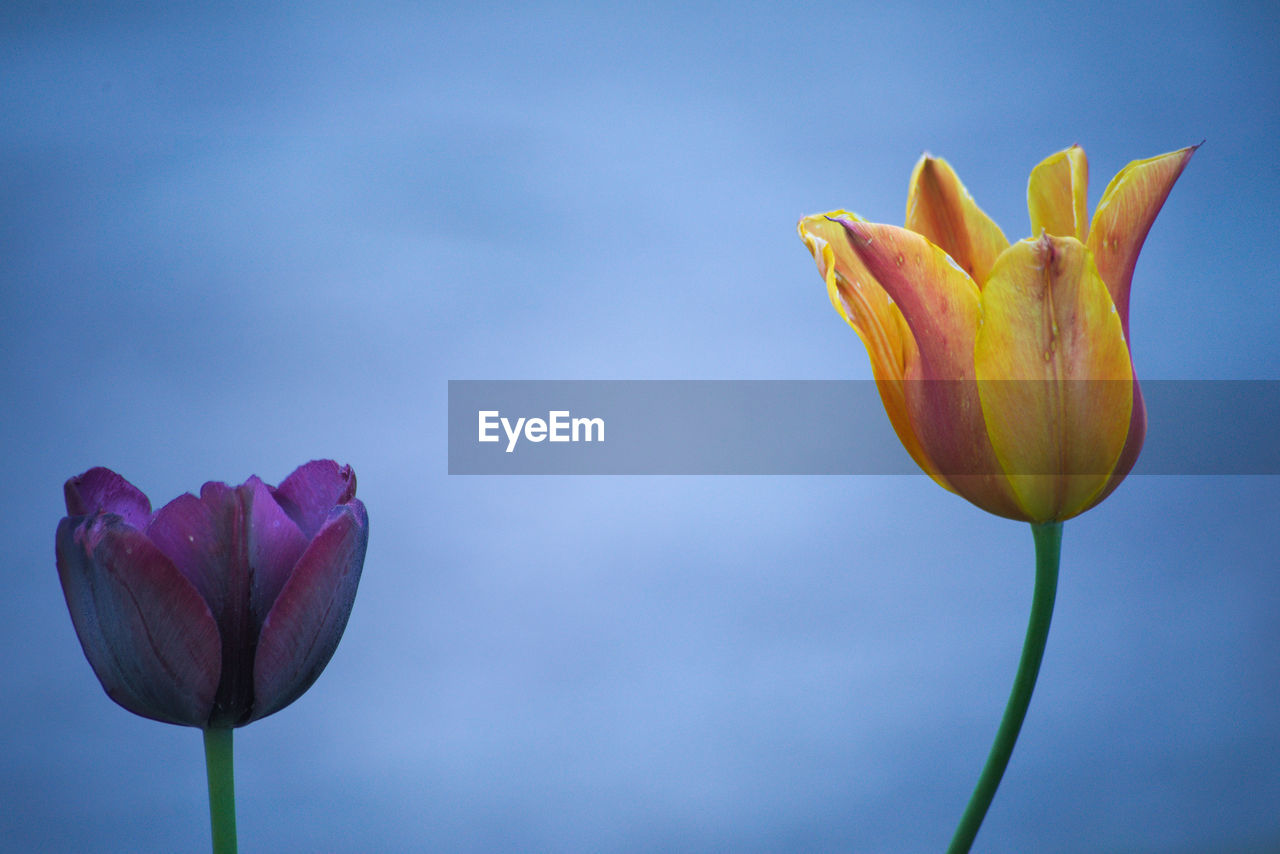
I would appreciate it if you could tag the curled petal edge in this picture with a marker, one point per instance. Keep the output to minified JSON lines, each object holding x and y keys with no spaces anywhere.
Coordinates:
{"x":865,"y":306}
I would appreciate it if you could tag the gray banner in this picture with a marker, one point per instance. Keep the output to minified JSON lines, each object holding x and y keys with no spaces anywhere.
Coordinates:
{"x":807,"y":427}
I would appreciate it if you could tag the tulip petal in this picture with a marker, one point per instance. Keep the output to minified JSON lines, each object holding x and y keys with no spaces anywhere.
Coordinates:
{"x":940,"y":208}
{"x":308,"y":618}
{"x":1124,"y":216}
{"x":938,"y":300}
{"x":101,"y":490}
{"x":941,"y":306}
{"x":1057,"y":195}
{"x":867,"y":308}
{"x":313,"y":490}
{"x":207,"y":539}
{"x":1053,"y":375}
{"x":275,"y":544}
{"x":145,"y":629}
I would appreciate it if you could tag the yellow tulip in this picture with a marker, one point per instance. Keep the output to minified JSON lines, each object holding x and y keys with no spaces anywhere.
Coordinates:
{"x":1004,"y":369}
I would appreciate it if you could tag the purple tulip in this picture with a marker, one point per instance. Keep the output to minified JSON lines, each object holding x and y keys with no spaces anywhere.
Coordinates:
{"x":213,"y":611}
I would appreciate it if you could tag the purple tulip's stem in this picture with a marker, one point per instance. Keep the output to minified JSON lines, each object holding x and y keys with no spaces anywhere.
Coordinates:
{"x":222,"y":788}
{"x":1048,"y":537}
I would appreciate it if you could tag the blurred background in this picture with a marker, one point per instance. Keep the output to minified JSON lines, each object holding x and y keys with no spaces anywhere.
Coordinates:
{"x":236,"y":240}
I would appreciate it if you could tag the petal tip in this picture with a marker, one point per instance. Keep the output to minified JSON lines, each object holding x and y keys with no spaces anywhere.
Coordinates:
{"x":852,"y":228}
{"x":101,"y":490}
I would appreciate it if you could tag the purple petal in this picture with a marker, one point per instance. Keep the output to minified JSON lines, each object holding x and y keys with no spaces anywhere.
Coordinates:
{"x":101,"y":490}
{"x":146,"y":631}
{"x":313,"y":490}
{"x":275,"y":544}
{"x":204,"y":538}
{"x":207,"y":539}
{"x":305,"y":624}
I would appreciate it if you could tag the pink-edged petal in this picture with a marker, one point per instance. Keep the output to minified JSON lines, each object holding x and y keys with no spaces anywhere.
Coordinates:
{"x":941,"y":209}
{"x":308,"y":618}
{"x":1057,"y":195}
{"x":100,"y":490}
{"x":938,"y":299}
{"x":207,"y":539}
{"x":1053,"y":375}
{"x":145,"y":629}
{"x":313,"y":490}
{"x":275,"y":544}
{"x":865,"y":306}
{"x":1124,"y":216}
{"x":941,"y":305}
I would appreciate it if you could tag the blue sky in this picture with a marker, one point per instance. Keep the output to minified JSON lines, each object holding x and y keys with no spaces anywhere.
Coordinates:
{"x":233,"y":242}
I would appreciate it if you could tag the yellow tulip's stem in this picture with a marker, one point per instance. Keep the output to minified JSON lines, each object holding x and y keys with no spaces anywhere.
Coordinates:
{"x":222,"y":789}
{"x":1048,"y":537}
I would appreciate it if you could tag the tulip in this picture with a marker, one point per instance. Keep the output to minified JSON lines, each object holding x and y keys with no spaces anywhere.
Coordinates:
{"x":213,"y":611}
{"x":218,"y":610}
{"x":1004,"y":369}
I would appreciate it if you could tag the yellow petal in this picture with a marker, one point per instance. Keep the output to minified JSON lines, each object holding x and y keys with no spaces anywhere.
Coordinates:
{"x":940,"y":208}
{"x":1056,"y":195}
{"x":1124,"y":216}
{"x":866,"y":307}
{"x":940,"y":304}
{"x":1053,"y":375}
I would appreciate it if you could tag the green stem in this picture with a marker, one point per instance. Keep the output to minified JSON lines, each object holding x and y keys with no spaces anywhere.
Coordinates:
{"x":222,"y":789}
{"x":1048,"y":537}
